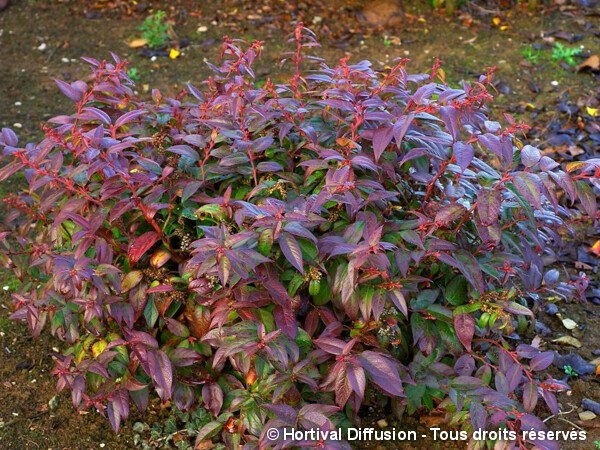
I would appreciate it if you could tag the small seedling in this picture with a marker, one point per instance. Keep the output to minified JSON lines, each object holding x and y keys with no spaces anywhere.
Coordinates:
{"x":569,"y":371}
{"x":597,"y":445}
{"x":560,"y":52}
{"x":531,"y":54}
{"x":156,"y":30}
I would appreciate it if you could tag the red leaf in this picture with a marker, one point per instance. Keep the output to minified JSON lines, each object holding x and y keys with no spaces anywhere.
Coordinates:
{"x":464,"y":325}
{"x":141,"y":245}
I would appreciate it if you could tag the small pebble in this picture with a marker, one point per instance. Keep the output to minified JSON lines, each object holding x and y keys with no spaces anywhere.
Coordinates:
{"x":43,"y":46}
{"x":65,"y":60}
{"x":554,"y":83}
{"x":317,"y":20}
{"x":5,"y":288}
{"x":18,"y":103}
{"x":202,"y":29}
{"x":17,"y":125}
{"x":382,"y":423}
{"x":102,"y":445}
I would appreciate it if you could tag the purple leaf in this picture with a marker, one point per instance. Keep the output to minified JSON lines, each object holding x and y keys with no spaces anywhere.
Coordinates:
{"x":464,"y":325}
{"x":291,"y":249}
{"x":463,"y":154}
{"x":9,"y":137}
{"x":381,"y":139}
{"x":450,"y":118}
{"x":184,"y":150}
{"x":383,"y":371}
{"x":357,"y":379}
{"x":541,"y":361}
{"x":399,"y":300}
{"x":488,"y":205}
{"x":69,"y":90}
{"x":449,"y":213}
{"x":212,"y":396}
{"x":530,"y":396}
{"x":530,"y":156}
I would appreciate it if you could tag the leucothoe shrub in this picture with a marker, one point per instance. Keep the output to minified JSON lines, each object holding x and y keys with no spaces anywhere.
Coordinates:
{"x":283,"y":254}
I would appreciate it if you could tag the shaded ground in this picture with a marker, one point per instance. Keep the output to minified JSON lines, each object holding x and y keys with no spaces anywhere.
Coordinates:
{"x":42,"y":39}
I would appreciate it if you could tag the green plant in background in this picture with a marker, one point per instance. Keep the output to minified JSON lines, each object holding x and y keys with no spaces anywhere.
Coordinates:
{"x":155,"y":29}
{"x":597,"y":445}
{"x":531,"y":54}
{"x":134,"y":74}
{"x":569,"y":371}
{"x":560,"y":52}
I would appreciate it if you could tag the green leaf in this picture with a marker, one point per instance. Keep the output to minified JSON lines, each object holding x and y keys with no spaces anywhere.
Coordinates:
{"x":424,"y":299}
{"x":150,"y":313}
{"x":456,"y":291}
{"x":208,"y":431}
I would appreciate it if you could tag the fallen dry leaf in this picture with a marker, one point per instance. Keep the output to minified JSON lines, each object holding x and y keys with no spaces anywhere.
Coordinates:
{"x":204,"y":445}
{"x":587,"y":415}
{"x":592,"y":63}
{"x":137,"y":43}
{"x":569,"y":324}
{"x":431,"y":420}
{"x":568,"y":340}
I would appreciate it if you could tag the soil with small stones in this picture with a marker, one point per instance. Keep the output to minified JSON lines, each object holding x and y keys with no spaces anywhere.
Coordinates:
{"x":41,"y":40}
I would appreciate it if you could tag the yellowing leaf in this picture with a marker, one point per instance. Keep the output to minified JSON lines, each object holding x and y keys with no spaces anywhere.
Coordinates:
{"x":98,"y":347}
{"x":496,"y":21}
{"x":174,"y":53}
{"x":137,"y":43}
{"x":592,"y":111}
{"x":504,"y":27}
{"x":131,"y":280}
